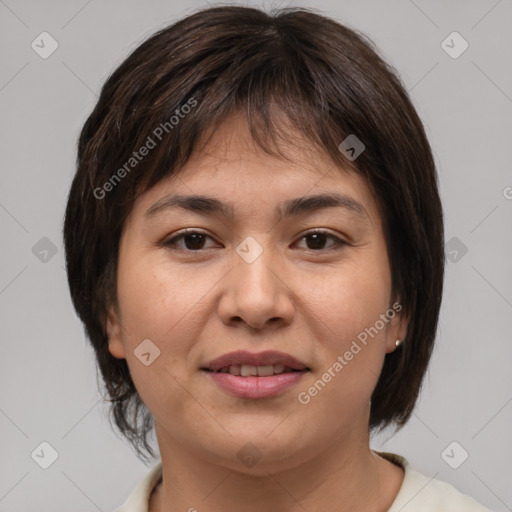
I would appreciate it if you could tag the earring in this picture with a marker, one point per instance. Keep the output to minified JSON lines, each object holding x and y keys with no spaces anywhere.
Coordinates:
{"x":397,"y":342}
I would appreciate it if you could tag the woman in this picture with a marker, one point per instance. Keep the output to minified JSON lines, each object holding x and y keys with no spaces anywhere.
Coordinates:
{"x":254,"y":242}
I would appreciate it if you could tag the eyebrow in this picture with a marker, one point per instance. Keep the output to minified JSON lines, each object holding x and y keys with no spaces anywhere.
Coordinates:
{"x":207,"y":205}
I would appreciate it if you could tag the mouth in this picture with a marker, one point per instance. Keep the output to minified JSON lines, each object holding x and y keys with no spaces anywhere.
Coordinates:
{"x":254,"y":376}
{"x":246,"y":364}
{"x":246,"y":370}
{"x":255,"y":386}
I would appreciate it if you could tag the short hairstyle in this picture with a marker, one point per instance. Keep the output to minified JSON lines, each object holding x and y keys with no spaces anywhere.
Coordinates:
{"x":328,"y":82}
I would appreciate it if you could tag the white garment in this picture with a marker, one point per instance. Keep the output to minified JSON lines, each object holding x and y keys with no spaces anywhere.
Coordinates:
{"x":418,"y":493}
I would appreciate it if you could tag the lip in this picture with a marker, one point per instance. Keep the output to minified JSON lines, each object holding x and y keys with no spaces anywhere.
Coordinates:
{"x":266,"y":358}
{"x":256,"y":387}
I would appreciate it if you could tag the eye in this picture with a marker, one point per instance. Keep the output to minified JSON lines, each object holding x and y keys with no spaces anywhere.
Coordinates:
{"x":318,"y":238}
{"x":194,"y":240}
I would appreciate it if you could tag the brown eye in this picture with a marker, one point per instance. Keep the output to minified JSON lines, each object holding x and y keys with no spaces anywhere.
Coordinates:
{"x":193,"y":240}
{"x":317,"y":240}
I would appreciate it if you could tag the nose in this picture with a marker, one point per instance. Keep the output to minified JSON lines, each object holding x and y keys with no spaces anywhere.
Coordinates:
{"x":259,"y":292}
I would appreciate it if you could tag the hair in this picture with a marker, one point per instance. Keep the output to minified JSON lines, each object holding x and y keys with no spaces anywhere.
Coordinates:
{"x":328,"y":82}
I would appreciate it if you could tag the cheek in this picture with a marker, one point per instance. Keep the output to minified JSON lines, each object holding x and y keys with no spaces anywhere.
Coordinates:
{"x":351,"y":305}
{"x":353,"y":349}
{"x":153,"y":297}
{"x":152,"y":308}
{"x":354,"y":298}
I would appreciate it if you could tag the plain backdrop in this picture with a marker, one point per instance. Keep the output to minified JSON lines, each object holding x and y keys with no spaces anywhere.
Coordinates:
{"x":48,"y":386}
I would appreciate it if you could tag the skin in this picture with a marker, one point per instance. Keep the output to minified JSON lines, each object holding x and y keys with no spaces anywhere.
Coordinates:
{"x":309,"y":298}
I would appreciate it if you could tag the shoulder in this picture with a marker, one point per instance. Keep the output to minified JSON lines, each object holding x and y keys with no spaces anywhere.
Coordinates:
{"x":138,"y":500}
{"x":421,"y":493}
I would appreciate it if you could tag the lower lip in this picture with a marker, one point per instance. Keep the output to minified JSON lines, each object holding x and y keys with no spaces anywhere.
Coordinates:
{"x":256,"y":387}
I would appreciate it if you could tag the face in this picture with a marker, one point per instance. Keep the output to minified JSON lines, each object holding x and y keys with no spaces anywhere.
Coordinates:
{"x":257,"y":277}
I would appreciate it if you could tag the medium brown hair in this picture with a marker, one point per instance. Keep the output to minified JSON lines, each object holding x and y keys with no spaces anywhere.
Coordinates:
{"x":329,"y":81}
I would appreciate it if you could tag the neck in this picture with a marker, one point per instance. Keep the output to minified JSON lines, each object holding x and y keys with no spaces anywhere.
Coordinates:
{"x":347,"y":476}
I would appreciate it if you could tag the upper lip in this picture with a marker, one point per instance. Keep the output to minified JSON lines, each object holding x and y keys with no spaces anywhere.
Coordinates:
{"x":267,"y":358}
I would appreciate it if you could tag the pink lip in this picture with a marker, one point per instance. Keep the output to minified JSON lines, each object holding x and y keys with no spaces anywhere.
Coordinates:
{"x":256,"y":387}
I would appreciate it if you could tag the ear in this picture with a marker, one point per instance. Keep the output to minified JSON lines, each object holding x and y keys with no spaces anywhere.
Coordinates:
{"x":397,"y":327}
{"x":115,"y":343}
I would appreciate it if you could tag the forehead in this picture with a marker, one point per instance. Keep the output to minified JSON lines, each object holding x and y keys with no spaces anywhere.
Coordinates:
{"x":233,"y":168}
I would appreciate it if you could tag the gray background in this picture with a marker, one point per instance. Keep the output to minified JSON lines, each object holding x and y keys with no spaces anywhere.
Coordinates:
{"x":48,"y":388}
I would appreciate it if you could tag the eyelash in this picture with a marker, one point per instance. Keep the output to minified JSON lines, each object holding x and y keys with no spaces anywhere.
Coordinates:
{"x":171,"y":243}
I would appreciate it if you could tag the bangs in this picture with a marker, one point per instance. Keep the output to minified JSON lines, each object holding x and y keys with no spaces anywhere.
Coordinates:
{"x":281,"y":93}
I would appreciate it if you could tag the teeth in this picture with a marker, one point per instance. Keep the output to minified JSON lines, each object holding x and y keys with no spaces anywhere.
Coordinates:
{"x":247,"y":370}
{"x":234,"y":369}
{"x":264,"y":371}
